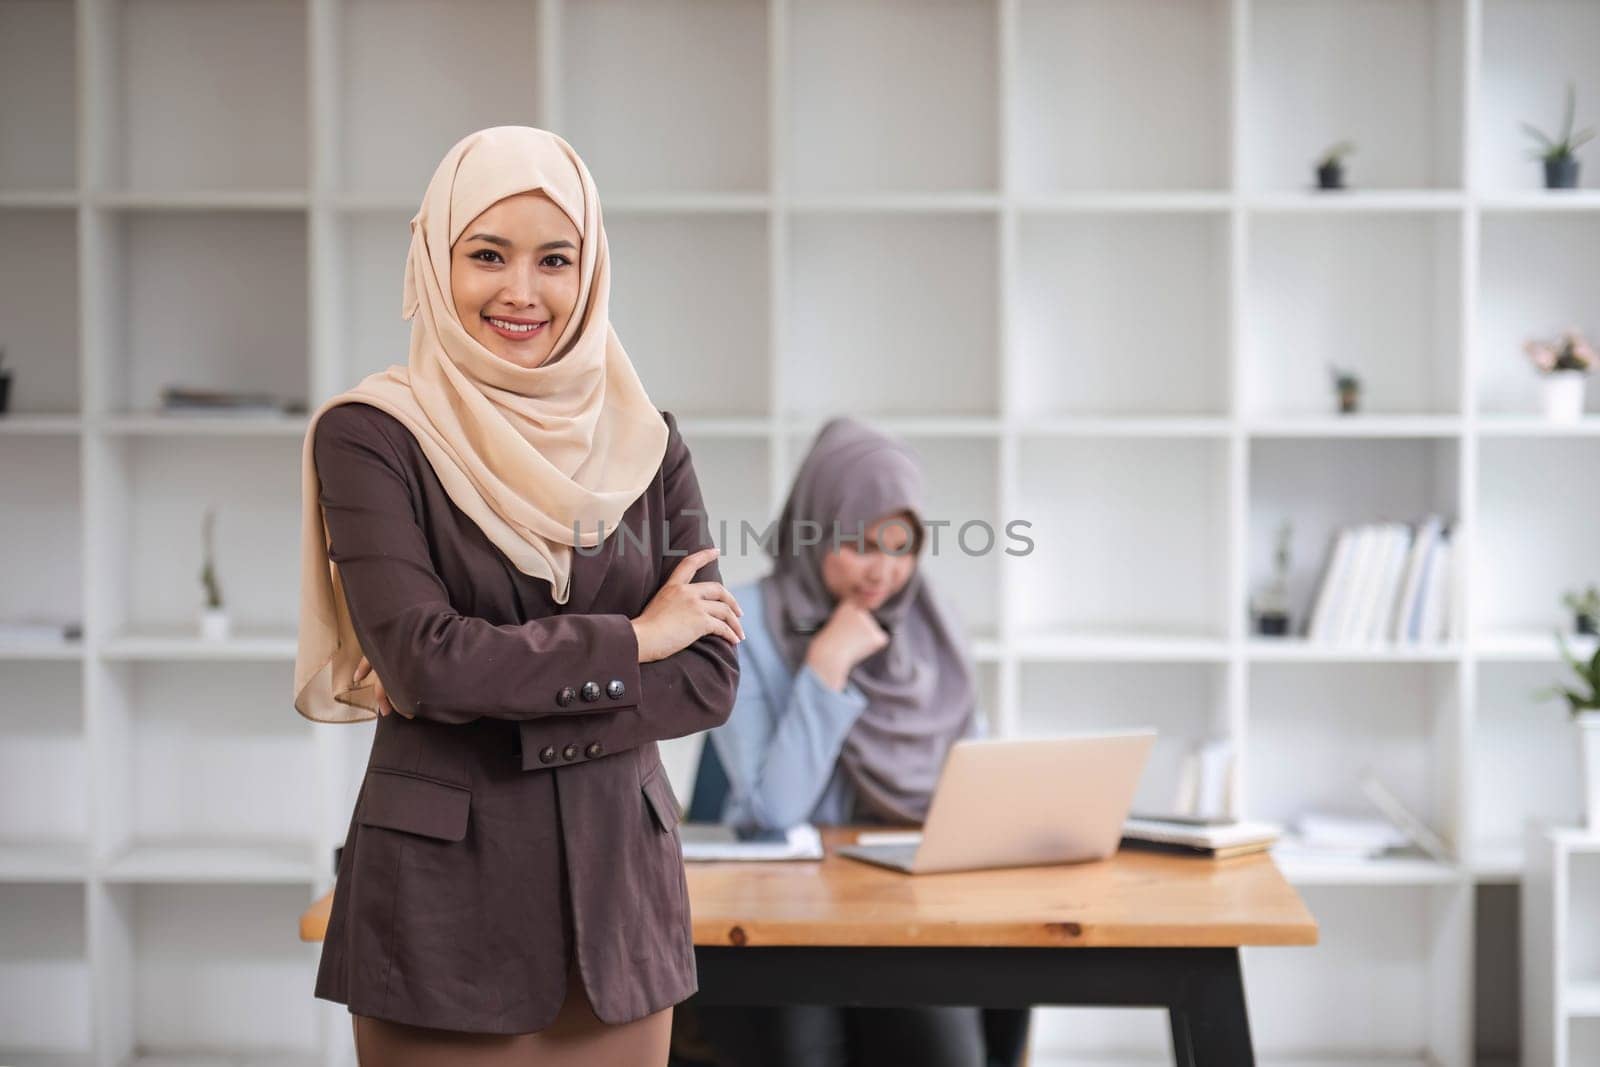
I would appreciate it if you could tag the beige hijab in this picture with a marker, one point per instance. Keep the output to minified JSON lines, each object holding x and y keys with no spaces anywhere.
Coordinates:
{"x":527,"y":453}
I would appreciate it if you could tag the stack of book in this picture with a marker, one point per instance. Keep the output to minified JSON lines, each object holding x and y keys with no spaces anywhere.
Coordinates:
{"x":1216,"y":838}
{"x":1386,"y":582}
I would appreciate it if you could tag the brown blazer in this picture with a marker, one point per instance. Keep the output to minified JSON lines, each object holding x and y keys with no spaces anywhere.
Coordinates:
{"x":523,"y":814}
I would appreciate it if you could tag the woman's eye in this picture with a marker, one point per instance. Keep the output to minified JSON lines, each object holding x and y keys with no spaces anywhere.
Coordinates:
{"x":560,"y":260}
{"x":486,"y":252}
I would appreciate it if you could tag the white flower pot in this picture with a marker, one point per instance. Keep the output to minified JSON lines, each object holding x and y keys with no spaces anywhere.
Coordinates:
{"x":1563,"y":395}
{"x":214,"y":624}
{"x":1589,"y":738}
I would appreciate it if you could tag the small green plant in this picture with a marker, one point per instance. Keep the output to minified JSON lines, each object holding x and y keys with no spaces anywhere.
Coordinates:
{"x":208,"y":572}
{"x":1554,"y":149}
{"x":1588,"y":674}
{"x":1335,"y":153}
{"x":1347,"y":384}
{"x":1584,"y":603}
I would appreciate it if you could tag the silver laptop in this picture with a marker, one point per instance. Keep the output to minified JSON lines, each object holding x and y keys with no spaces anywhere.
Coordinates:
{"x":1020,"y":803}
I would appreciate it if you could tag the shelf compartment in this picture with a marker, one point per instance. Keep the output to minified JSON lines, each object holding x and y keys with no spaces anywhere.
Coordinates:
{"x":673,"y":96}
{"x":878,"y":302}
{"x":1129,"y":537}
{"x":1530,"y":52}
{"x":1582,"y":947}
{"x":668,"y":265}
{"x":45,"y":977}
{"x":879,"y":93}
{"x":156,"y":492}
{"x":1583,"y":1040}
{"x":1379,"y":294}
{"x":1409,"y":944}
{"x":734,"y":474}
{"x":1537,"y":279}
{"x":208,"y":299}
{"x":1386,"y":74}
{"x":231,"y":949}
{"x":1529,"y":552}
{"x":1528,"y":749}
{"x":44,"y":785}
{"x":1322,"y":486}
{"x":369,"y":263}
{"x":381,"y":46}
{"x":1085,"y":340}
{"x":1185,"y":702}
{"x":219,"y":731}
{"x":39,"y":302}
{"x":42,"y":508}
{"x":1316,"y":728}
{"x":1077,"y":98}
{"x":224,"y":110}
{"x":38,"y":63}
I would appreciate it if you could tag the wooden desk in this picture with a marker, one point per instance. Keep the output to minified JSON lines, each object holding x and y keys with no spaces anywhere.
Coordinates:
{"x":1142,"y":929}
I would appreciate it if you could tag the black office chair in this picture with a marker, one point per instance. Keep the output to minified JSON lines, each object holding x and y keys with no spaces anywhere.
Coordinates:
{"x":1005,"y":1030}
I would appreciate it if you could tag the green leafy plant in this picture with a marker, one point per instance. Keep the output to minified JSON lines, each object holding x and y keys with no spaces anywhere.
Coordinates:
{"x":1344,"y":379}
{"x":1588,"y":674}
{"x":208,"y":572}
{"x":1336,"y":153}
{"x":1584,"y":603}
{"x":1566,"y":145}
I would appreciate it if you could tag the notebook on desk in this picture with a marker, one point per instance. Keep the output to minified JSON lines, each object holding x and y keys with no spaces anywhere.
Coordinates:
{"x":1010,"y":803}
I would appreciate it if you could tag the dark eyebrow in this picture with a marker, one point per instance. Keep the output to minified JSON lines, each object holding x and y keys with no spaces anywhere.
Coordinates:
{"x":504,"y":243}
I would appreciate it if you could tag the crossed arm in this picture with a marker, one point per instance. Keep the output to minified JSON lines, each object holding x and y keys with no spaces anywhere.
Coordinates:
{"x":439,"y":664}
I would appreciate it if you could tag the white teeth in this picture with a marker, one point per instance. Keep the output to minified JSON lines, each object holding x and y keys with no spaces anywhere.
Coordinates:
{"x":516,"y":327}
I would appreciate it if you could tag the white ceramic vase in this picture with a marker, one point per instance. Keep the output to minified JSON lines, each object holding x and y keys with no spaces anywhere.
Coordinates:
{"x":214,"y":624}
{"x":1588,"y":723}
{"x":1563,"y":395}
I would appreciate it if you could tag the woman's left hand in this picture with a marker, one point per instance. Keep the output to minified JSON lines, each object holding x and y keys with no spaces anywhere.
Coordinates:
{"x":384,"y":705}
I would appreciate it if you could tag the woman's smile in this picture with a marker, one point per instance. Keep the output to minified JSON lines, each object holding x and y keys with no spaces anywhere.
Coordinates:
{"x":516,"y":329}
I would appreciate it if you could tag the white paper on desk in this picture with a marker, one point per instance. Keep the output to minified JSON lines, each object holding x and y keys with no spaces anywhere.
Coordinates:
{"x":802,"y":843}
{"x":889,"y":837}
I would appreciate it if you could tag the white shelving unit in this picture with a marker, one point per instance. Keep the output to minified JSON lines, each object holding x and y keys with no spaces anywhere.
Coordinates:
{"x":1561,"y":947}
{"x":1094,"y":290}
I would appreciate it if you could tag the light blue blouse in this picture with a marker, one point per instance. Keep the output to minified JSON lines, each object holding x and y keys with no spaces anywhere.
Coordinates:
{"x":780,"y":746}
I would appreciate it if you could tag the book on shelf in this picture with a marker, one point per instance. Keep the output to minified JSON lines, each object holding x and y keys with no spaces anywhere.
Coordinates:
{"x":1336,"y":836}
{"x":183,"y":400}
{"x":1386,"y":582}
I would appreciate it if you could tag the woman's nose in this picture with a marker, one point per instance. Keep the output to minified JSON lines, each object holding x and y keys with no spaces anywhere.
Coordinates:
{"x":521,"y":286}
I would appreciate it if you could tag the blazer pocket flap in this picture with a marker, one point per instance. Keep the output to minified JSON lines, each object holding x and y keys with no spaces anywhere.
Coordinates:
{"x":400,"y":801}
{"x":658,"y":791}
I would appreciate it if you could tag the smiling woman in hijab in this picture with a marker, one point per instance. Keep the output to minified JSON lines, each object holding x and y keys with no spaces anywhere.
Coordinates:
{"x":854,"y":683}
{"x":511,"y":887}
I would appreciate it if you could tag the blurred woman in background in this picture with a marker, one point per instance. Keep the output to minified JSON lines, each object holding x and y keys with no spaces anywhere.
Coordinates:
{"x":854,"y":683}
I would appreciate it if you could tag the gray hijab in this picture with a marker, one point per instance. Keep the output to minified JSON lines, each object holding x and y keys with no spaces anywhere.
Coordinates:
{"x":919,"y":689}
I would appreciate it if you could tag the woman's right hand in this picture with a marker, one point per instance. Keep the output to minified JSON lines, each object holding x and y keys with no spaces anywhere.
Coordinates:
{"x":850,"y":635}
{"x":682,"y":611}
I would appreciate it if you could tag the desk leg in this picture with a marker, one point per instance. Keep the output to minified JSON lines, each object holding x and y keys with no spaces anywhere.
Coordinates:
{"x":1202,"y":989}
{"x":1210,"y":1023}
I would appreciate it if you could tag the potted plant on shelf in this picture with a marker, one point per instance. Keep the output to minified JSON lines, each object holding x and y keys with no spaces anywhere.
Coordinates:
{"x":213,"y":616}
{"x":1585,"y":608}
{"x":1330,"y":165}
{"x":1272,"y":603}
{"x":1565,"y":364}
{"x":1560,"y":155}
{"x":1347,"y":384}
{"x":1585,"y":711}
